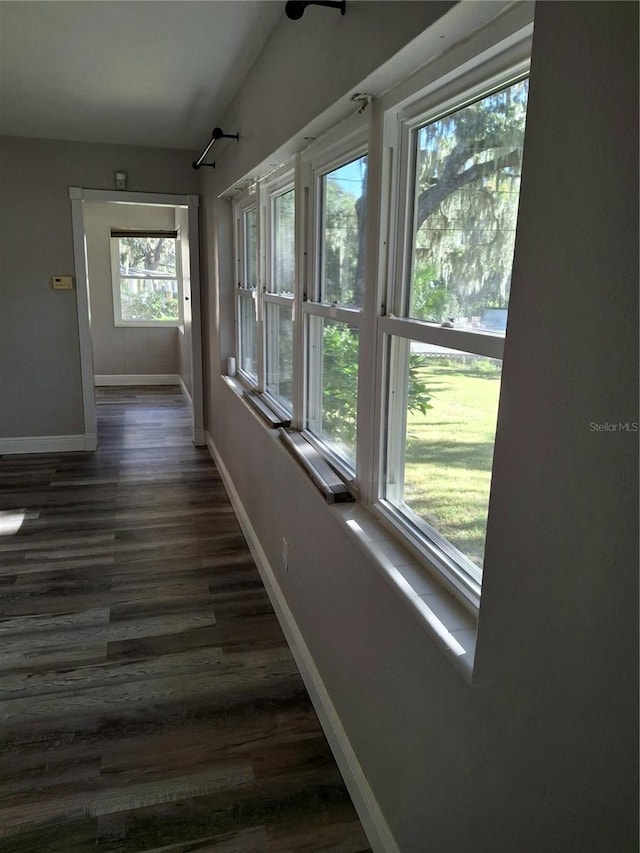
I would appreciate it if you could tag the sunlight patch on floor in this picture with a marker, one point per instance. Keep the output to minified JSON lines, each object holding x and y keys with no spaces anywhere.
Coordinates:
{"x":11,"y":521}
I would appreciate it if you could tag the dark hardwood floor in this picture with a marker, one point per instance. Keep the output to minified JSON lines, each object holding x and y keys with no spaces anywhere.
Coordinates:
{"x":149,"y":700}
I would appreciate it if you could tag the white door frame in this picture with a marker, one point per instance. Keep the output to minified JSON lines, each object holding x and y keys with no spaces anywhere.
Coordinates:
{"x":78,"y":195}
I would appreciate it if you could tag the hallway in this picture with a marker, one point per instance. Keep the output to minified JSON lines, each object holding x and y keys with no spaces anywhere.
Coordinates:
{"x":149,"y":699}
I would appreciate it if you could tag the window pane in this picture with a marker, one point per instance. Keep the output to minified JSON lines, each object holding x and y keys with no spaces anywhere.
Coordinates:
{"x":248,"y":336}
{"x":442,"y":422}
{"x":279,"y":352}
{"x":147,"y":255}
{"x":465,"y":210}
{"x":251,"y":248}
{"x":333,"y":384}
{"x":342,"y":234}
{"x":283,"y":243}
{"x":150,"y":300}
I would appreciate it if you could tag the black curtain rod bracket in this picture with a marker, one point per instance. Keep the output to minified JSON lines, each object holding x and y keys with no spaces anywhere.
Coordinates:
{"x":294,"y":9}
{"x":216,"y":134}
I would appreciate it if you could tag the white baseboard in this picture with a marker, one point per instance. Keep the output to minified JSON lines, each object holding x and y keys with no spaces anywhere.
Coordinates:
{"x":198,"y":434}
{"x":48,"y":444}
{"x":91,"y":441}
{"x":369,"y":812}
{"x":137,"y":379}
{"x":185,"y":391}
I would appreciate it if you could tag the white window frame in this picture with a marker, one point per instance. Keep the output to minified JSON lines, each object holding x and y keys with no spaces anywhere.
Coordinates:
{"x":394,"y":330}
{"x":278,"y":184}
{"x":348,"y":143}
{"x":244,"y":294}
{"x":493,"y":57}
{"x":116,"y":282}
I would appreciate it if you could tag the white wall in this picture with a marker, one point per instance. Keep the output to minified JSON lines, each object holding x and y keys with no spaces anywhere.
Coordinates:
{"x":538,"y":754}
{"x":123,"y":350}
{"x":40,"y":383}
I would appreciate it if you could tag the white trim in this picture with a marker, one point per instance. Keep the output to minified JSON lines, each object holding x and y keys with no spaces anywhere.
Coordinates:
{"x":333,"y":312}
{"x":122,"y":197}
{"x":197,"y":391}
{"x":48,"y":444}
{"x":277,"y":299}
{"x":116,"y":288}
{"x":486,"y":344}
{"x":83,"y":307}
{"x":138,"y":379}
{"x":455,"y":571}
{"x":78,"y":196}
{"x":148,"y":324}
{"x":185,"y":391}
{"x":366,"y":805}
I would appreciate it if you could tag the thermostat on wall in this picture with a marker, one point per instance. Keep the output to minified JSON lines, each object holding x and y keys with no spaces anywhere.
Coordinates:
{"x":62,"y":282}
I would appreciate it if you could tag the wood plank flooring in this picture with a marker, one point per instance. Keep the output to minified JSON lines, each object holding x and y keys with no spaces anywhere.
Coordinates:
{"x":149,"y":701}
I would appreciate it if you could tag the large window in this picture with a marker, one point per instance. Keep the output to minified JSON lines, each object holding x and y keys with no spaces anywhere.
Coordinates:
{"x":279,"y":296}
{"x":443,"y":349}
{"x":388,"y":357}
{"x":147,"y":286}
{"x":335,"y":298}
{"x":246,"y":234}
{"x":265,"y":222}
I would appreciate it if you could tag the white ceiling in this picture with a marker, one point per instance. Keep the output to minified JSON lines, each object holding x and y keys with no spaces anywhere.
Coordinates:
{"x":137,"y":72}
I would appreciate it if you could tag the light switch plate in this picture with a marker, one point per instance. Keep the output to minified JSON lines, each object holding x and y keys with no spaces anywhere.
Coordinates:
{"x":62,"y":282}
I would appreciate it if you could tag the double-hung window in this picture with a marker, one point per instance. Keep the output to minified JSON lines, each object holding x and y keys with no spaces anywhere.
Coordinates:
{"x":264,"y":225}
{"x":332,"y":309}
{"x":442,"y":343}
{"x":146,"y":277}
{"x":278,"y":297}
{"x":397,"y":391}
{"x":247,"y":244}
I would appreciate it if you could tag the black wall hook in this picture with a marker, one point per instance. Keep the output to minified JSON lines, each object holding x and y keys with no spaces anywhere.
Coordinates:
{"x":294,"y":9}
{"x":216,"y":133}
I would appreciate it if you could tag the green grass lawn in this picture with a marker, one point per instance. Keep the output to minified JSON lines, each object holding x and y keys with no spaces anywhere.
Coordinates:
{"x":449,"y":451}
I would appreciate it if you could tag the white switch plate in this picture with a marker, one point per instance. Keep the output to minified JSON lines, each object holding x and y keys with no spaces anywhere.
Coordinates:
{"x":62,"y":282}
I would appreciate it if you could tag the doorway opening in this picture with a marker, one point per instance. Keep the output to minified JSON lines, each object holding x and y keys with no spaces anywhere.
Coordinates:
{"x":139,"y":321}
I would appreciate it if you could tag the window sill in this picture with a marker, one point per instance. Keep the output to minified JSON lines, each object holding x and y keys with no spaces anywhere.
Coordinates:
{"x":149,"y":324}
{"x":325,"y":478}
{"x":273,"y":419}
{"x":445,"y":619}
{"x":270,"y":416}
{"x":234,"y":384}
